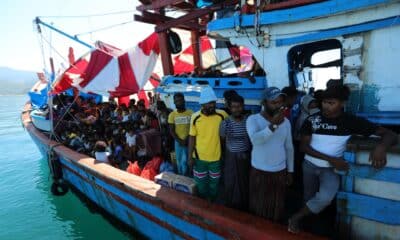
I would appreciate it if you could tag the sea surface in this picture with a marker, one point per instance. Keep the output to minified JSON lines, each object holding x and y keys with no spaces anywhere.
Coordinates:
{"x":28,"y":210}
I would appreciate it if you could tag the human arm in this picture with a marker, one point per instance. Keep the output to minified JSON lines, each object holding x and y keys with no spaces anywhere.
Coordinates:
{"x":173,"y":134}
{"x":289,"y":154}
{"x":257,"y":136}
{"x":222,"y":134}
{"x":191,"y":145}
{"x":378,"y":155}
{"x":337,"y":162}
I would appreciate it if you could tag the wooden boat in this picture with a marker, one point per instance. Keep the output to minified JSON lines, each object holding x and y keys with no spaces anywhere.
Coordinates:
{"x":281,"y":30}
{"x":155,"y":211}
{"x":284,"y":38}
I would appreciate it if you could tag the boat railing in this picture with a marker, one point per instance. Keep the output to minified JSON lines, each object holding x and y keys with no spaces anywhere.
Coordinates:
{"x":368,"y":202}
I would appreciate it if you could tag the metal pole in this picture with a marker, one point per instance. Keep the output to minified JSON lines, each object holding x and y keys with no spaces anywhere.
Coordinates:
{"x":38,"y":21}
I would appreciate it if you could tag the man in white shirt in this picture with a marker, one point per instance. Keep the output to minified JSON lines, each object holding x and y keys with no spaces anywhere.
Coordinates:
{"x":271,"y":156}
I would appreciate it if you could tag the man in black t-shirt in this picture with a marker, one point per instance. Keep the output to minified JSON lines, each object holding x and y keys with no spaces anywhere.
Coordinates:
{"x":323,"y":140}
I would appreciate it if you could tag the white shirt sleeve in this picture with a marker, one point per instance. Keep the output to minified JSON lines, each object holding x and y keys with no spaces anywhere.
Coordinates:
{"x":257,"y":136}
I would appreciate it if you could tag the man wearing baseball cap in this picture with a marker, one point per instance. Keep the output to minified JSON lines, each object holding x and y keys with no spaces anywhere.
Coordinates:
{"x":271,"y":156}
{"x":324,"y":136}
{"x":205,"y":146}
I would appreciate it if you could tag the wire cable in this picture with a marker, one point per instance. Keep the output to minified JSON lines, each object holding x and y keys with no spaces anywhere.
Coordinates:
{"x":103,"y":28}
{"x":90,"y":15}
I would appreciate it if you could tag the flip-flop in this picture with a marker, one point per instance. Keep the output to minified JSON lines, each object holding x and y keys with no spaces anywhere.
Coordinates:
{"x":293,"y":227}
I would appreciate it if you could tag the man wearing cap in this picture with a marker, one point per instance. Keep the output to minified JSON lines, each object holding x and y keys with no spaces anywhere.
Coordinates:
{"x":205,"y":145}
{"x":271,"y":156}
{"x":324,"y":136}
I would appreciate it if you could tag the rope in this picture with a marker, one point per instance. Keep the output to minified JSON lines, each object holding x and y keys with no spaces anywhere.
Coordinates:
{"x":66,"y":112}
{"x":40,"y":40}
{"x":90,"y":15}
{"x":103,"y":28}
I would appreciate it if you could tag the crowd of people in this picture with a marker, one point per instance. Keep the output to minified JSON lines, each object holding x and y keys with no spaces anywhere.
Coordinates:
{"x":254,"y":157}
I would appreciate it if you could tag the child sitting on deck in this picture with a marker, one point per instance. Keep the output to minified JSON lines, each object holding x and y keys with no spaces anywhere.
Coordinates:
{"x":101,"y":155}
{"x":130,"y":138}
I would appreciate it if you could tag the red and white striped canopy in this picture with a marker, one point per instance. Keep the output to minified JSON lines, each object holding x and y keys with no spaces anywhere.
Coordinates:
{"x":111,"y":71}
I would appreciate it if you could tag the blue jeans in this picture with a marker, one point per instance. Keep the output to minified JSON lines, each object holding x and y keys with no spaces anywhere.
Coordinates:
{"x":181,"y":153}
{"x":320,"y":186}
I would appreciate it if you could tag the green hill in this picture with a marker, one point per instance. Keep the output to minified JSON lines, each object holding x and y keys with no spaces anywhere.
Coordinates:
{"x":15,"y":81}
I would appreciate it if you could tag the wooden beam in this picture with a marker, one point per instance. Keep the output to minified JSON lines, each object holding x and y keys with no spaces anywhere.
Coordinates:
{"x":157,"y":4}
{"x":195,"y":37}
{"x":152,"y":21}
{"x":193,"y":25}
{"x":188,"y":17}
{"x":166,"y":59}
{"x":193,"y":15}
{"x":156,"y":19}
{"x":185,"y":6}
{"x":145,"y":1}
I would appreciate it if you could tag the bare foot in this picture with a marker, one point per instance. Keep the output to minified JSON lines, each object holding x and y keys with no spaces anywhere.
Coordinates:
{"x":293,"y":226}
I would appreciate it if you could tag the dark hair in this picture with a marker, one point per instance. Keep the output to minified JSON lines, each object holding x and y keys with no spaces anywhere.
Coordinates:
{"x":228,"y":94}
{"x":290,"y":91}
{"x":179,"y":94}
{"x":236,"y":98}
{"x":341,"y":92}
{"x":333,"y":82}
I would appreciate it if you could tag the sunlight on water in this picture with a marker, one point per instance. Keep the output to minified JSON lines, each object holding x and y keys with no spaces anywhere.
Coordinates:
{"x":28,"y":209}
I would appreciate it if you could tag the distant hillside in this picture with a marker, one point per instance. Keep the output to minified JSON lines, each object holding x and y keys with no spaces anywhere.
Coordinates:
{"x":16,"y":81}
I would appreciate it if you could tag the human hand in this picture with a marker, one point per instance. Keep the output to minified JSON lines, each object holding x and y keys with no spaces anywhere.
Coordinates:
{"x":190,"y":163}
{"x":278,"y":116}
{"x":378,"y":157}
{"x":340,"y":164}
{"x":182,"y":142}
{"x":289,"y":178}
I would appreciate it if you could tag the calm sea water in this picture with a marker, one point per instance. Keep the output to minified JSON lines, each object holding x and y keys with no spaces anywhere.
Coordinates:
{"x":28,"y":210}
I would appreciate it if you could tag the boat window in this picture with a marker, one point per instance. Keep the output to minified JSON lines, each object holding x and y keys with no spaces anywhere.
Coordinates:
{"x":324,"y":57}
{"x":312,"y":65}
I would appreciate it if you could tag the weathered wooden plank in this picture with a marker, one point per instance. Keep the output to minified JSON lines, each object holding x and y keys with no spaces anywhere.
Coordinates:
{"x":372,"y":208}
{"x":366,"y":171}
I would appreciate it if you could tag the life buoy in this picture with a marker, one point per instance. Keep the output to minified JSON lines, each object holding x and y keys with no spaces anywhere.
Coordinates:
{"x":59,"y":187}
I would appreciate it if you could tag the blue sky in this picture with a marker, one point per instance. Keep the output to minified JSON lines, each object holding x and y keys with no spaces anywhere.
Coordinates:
{"x":20,"y":48}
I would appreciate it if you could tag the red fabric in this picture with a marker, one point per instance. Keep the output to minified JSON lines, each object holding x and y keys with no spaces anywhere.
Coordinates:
{"x":154,"y":80}
{"x":181,"y":65}
{"x":101,"y":57}
{"x":71,"y":56}
{"x":234,"y":51}
{"x":134,"y":168}
{"x":98,"y":59}
{"x":151,"y":168}
{"x":127,"y":81}
{"x":123,"y":100}
{"x":142,"y":95}
{"x":151,"y":43}
{"x":65,"y":82}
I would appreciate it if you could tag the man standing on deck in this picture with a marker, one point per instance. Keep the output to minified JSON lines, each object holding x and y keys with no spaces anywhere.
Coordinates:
{"x":237,"y":148}
{"x":324,"y":137}
{"x":271,"y":157}
{"x":179,"y":124}
{"x":205,"y":145}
